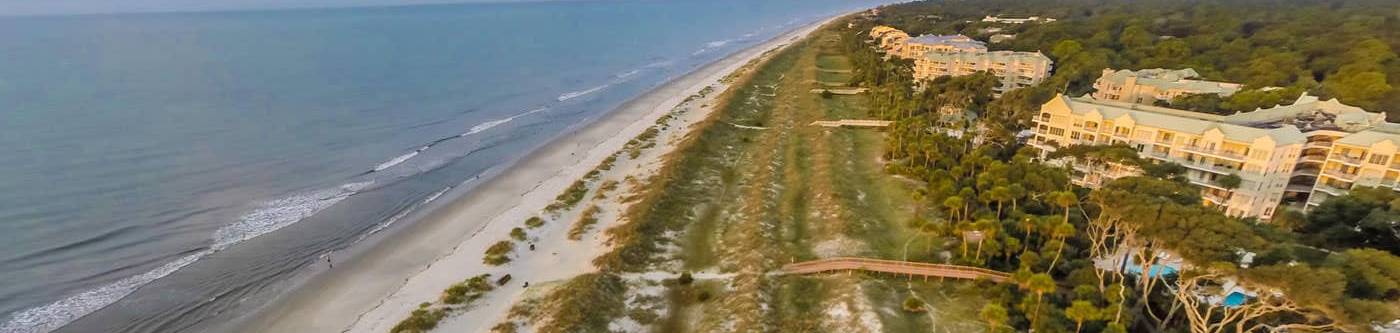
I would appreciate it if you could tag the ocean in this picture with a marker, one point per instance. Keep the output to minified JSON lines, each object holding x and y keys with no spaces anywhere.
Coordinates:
{"x":168,"y":172}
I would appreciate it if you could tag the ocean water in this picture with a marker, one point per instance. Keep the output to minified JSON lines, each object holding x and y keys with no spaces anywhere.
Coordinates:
{"x":167,"y":172}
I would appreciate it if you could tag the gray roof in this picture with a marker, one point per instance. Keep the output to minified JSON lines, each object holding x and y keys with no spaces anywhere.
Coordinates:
{"x":1171,"y":79}
{"x":958,"y":41}
{"x":1006,"y":56}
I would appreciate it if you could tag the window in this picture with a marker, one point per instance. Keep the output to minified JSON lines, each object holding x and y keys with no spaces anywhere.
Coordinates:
{"x":1120,"y":131}
{"x":1074,"y":135}
{"x":1057,"y":131}
{"x":1379,"y":159}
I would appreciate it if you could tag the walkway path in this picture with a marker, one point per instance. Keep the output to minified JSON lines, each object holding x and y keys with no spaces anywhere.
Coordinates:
{"x":852,"y":123}
{"x":896,"y":267}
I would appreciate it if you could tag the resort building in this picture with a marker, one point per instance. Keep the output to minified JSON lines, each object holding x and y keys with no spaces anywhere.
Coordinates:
{"x":1295,"y":155}
{"x":955,"y":55}
{"x":1000,"y":38}
{"x":1015,"y":69}
{"x":1151,"y":85}
{"x":1012,"y":20}
{"x":915,"y":47}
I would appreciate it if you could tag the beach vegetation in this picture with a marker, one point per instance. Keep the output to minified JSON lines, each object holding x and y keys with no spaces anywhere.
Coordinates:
{"x":467,"y":291}
{"x":534,"y":222}
{"x":518,"y":234}
{"x":421,"y":320}
{"x":586,"y":303}
{"x":499,"y":253}
{"x":571,"y":196}
{"x":505,"y":327}
{"x":453,"y":299}
{"x":607,"y":186}
{"x":914,"y":304}
{"x":585,"y":222}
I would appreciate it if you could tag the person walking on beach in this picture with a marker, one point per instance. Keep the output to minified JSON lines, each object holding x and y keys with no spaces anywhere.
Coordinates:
{"x":328,"y":260}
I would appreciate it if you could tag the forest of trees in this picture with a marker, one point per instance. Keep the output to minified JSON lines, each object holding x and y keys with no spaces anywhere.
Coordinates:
{"x":1341,"y":49}
{"x":1334,"y":268}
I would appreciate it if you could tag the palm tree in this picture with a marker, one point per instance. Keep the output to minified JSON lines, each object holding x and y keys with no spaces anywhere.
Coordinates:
{"x":953,"y":203}
{"x":1064,"y":199}
{"x":1060,"y":233}
{"x":1080,"y":311}
{"x":1039,"y":284}
{"x":999,"y":194}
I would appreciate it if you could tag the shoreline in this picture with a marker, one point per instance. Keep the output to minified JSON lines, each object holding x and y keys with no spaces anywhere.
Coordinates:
{"x":391,"y":276}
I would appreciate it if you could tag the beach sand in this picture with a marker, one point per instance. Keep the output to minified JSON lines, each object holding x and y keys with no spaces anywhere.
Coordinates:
{"x":375,"y":289}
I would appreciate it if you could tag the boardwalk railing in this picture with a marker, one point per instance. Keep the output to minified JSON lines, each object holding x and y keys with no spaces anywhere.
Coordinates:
{"x":896,"y":267}
{"x":852,"y":123}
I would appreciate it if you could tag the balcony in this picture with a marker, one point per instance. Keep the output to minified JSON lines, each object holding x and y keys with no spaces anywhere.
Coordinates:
{"x":1339,"y":175}
{"x":1207,"y":183}
{"x":1212,"y":168}
{"x":1317,"y":144}
{"x":1219,"y":200}
{"x":1312,"y":159}
{"x":1311,"y":172}
{"x":1356,"y":161}
{"x":1298,"y":188}
{"x":1221,"y":153}
{"x":1329,"y":189}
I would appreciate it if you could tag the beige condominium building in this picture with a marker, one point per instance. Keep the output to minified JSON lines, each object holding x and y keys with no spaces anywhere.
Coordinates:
{"x":1015,"y":69}
{"x":956,"y":55}
{"x":1295,"y":155}
{"x":1150,"y":85}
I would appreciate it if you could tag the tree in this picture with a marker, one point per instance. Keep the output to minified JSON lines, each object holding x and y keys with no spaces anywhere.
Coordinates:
{"x":1081,"y":311}
{"x":1039,"y":284}
{"x":1229,"y":182}
{"x":953,"y":204}
{"x":1061,"y":232}
{"x":994,"y":315}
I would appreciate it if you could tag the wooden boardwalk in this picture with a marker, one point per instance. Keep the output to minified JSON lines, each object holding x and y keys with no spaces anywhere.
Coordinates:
{"x":896,"y":267}
{"x":852,"y":123}
{"x":840,"y":91}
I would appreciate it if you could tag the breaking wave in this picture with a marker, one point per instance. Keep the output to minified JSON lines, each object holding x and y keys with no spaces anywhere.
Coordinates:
{"x":397,"y":160}
{"x":576,"y":94}
{"x":488,"y":125}
{"x":268,"y":217}
{"x":402,"y":214}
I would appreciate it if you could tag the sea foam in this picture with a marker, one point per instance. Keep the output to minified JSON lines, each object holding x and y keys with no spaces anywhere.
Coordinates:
{"x":268,"y":217}
{"x":577,"y":94}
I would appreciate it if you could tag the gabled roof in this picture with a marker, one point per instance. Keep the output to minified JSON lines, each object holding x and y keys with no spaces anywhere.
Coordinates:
{"x":1180,"y":121}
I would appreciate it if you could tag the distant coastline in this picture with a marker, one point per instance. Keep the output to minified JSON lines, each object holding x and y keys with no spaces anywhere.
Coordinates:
{"x":374,"y":290}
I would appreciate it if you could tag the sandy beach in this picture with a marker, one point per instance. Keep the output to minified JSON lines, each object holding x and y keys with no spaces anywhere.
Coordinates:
{"x":371,"y":291}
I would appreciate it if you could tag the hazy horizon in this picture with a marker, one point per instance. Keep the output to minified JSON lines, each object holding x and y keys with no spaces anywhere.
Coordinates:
{"x":20,"y":8}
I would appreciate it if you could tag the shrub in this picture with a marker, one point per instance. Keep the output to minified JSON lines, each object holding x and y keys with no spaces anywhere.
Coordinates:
{"x":584,"y":223}
{"x":421,"y":320}
{"x":505,"y":327}
{"x":608,"y":186}
{"x":570,"y":197}
{"x":534,"y":222}
{"x":685,"y":279}
{"x":499,"y":253}
{"x":912,"y":304}
{"x":468,"y":290}
{"x":517,"y":233}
